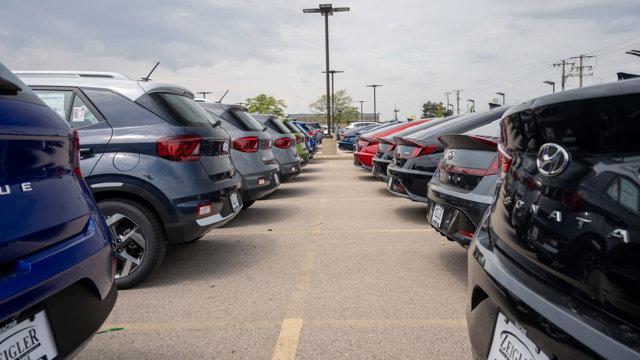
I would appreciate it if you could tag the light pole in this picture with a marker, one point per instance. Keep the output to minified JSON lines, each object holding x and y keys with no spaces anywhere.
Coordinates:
{"x":473,"y":105}
{"x":204,"y":93}
{"x":633,"y":52}
{"x":501,"y":94}
{"x":450,"y":106}
{"x":375,"y":110}
{"x":333,"y":96}
{"x":326,"y":10}
{"x":553,"y":85}
{"x":361,"y":113}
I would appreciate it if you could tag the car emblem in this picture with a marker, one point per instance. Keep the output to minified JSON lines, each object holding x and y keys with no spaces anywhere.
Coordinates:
{"x":225,"y":146}
{"x":552,"y":159}
{"x":450,"y":155}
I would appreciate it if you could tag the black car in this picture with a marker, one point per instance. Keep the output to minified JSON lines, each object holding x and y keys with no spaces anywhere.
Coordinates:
{"x":417,"y":155}
{"x":158,"y":168}
{"x":554,"y":269}
{"x":464,"y":183}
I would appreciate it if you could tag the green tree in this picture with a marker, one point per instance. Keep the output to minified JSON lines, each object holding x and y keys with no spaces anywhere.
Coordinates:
{"x":344,"y":111}
{"x":432,"y":109}
{"x":266,"y":104}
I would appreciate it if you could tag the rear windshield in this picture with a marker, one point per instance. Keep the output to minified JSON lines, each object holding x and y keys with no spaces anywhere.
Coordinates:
{"x":314,"y":125}
{"x":246,"y":121}
{"x":282,"y":129}
{"x":291,"y":126}
{"x":13,"y":88}
{"x":181,"y":110}
{"x":491,"y":130}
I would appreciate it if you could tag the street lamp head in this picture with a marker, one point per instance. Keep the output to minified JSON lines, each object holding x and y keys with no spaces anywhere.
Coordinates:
{"x":310,"y":11}
{"x":373,"y":86}
{"x":500,"y":93}
{"x":549,"y":82}
{"x":325,"y":6}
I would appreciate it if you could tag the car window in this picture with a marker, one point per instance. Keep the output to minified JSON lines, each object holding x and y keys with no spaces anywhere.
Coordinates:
{"x":625,"y":192}
{"x":58,"y":100}
{"x":613,"y":190}
{"x":282,"y":129}
{"x":81,"y":115}
{"x":247,"y":120}
{"x":491,"y":129}
{"x":182,"y":110}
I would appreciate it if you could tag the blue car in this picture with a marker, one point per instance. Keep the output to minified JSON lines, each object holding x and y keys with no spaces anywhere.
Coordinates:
{"x":312,"y":143}
{"x":56,"y":255}
{"x":350,"y":138}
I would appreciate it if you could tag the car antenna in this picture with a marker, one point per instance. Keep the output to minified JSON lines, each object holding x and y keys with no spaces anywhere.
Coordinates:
{"x":223,"y":95}
{"x":147,"y":78}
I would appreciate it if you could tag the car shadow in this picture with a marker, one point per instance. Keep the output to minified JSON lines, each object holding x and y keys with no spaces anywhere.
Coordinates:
{"x":208,"y":258}
{"x":454,"y":260}
{"x":261,"y":213}
{"x":300,"y":178}
{"x":368,"y":177}
{"x":290,"y":192}
{"x":384,"y":192}
{"x":416,"y":214}
{"x":311,"y":170}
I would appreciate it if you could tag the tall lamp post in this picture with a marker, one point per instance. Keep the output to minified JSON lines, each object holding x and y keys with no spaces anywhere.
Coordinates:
{"x":501,"y":94}
{"x":326,"y":10}
{"x":375,"y":111}
{"x":473,"y":105}
{"x":333,"y":96}
{"x":361,"y":113}
{"x":553,"y":85}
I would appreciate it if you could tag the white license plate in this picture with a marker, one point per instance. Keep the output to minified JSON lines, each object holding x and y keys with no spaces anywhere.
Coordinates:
{"x":511,"y":342}
{"x":436,"y":217}
{"x":276,"y":178}
{"x":234,"y":201}
{"x":30,"y":339}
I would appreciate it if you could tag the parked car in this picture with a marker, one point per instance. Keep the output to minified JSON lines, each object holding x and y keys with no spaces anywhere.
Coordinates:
{"x":284,"y":146}
{"x":301,"y":144}
{"x":318,"y":132}
{"x":306,"y":138}
{"x":350,"y":138}
{"x":310,"y":138}
{"x":138,"y":140}
{"x":251,"y":149}
{"x":553,"y":268}
{"x":56,"y":254}
{"x":387,"y":145}
{"x":463,"y":184}
{"x":417,"y":155}
{"x":367,"y":144}
{"x":353,"y":126}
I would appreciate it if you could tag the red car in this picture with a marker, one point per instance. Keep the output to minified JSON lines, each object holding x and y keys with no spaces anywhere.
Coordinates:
{"x":368,"y":143}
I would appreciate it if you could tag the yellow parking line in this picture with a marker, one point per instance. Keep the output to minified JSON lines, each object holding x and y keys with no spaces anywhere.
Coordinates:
{"x":287,"y":344}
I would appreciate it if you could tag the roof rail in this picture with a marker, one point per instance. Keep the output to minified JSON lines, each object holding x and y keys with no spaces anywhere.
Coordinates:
{"x":74,"y":74}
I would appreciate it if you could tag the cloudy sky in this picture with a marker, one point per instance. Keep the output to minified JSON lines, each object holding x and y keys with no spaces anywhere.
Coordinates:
{"x":417,"y":49}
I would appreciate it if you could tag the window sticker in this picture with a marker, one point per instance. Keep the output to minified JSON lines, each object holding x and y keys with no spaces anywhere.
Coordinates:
{"x":78,"y":114}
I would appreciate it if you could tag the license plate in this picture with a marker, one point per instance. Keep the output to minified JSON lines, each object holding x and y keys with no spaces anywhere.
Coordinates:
{"x":389,"y":183}
{"x":234,"y":201}
{"x":511,"y":342}
{"x":276,"y":178}
{"x":30,"y":339}
{"x":436,"y":218}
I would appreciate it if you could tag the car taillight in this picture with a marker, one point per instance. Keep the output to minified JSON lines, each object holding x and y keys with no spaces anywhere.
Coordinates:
{"x":246,"y":144}
{"x":283,"y":143}
{"x":179,"y":148}
{"x":310,"y":133}
{"x":504,"y":162}
{"x":203,"y":210}
{"x":75,"y":154}
{"x":423,"y":150}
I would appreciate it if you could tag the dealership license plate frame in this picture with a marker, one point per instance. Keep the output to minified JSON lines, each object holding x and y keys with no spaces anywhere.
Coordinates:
{"x":235,"y":204}
{"x":33,"y":327}
{"x":508,"y":336}
{"x":437,"y":215}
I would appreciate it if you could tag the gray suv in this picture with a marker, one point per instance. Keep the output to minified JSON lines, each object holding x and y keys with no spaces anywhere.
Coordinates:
{"x":250,"y":149}
{"x":157,"y":164}
{"x":284,"y":146}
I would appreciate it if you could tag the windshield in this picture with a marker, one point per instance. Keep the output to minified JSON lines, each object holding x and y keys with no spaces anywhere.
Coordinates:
{"x":282,"y":129}
{"x":246,"y":120}
{"x":182,"y":110}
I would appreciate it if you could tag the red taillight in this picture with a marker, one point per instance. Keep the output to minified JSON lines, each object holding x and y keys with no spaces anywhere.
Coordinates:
{"x":203,"y":210}
{"x":283,"y":143}
{"x":423,"y":150}
{"x":179,"y":148}
{"x":75,"y":154}
{"x":504,"y":162}
{"x":465,"y":233}
{"x":310,"y":133}
{"x":246,"y":144}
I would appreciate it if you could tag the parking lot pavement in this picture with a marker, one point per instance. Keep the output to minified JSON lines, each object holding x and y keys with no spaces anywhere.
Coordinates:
{"x":329,"y":267}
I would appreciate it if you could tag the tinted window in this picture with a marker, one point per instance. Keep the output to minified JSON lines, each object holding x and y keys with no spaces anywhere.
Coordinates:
{"x":58,"y":100}
{"x":291,"y":126}
{"x":281,"y":128}
{"x":314,"y":125}
{"x":625,"y":192}
{"x":491,"y":129}
{"x":247,"y":121}
{"x":182,"y":110}
{"x":81,"y":115}
{"x":119,"y":110}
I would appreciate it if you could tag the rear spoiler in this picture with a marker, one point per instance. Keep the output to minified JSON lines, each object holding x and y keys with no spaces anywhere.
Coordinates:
{"x":470,"y":142}
{"x":407,"y":142}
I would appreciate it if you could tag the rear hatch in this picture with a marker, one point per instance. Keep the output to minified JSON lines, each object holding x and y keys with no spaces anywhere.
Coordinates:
{"x":196,"y":135}
{"x":43,"y":199}
{"x":255,"y":137}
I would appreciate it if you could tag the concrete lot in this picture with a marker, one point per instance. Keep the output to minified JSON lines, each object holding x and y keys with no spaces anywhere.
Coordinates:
{"x":330,"y":267}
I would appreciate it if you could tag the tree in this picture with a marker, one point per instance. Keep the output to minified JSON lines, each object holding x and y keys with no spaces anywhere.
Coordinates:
{"x":344,"y":111}
{"x":432,"y":109}
{"x":266,"y":104}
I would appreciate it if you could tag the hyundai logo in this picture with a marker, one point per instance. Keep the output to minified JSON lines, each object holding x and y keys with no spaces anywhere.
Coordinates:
{"x":552,"y":159}
{"x":225,"y":146}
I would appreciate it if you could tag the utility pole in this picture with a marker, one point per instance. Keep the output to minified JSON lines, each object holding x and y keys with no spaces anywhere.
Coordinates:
{"x":447,"y":93}
{"x":375,"y":110}
{"x":204,"y":93}
{"x":395,"y":112}
{"x":581,"y":67}
{"x":326,"y":10}
{"x":361,"y":113}
{"x":457,"y":100}
{"x":564,"y":76}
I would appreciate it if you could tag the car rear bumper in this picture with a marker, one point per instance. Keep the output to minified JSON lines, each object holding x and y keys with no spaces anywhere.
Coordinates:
{"x":252,"y":191}
{"x":410,"y":182}
{"x":379,"y":169}
{"x":363,"y":158}
{"x":559,"y":326}
{"x":289,"y":169}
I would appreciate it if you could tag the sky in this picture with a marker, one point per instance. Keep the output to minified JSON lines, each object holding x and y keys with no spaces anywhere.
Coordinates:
{"x":417,"y":49}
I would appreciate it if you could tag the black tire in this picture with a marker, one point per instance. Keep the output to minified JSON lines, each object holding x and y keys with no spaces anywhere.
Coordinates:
{"x":247,"y":204}
{"x":155,"y":242}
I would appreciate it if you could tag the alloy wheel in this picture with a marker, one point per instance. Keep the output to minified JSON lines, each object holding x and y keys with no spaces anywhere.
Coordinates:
{"x":129,"y":242}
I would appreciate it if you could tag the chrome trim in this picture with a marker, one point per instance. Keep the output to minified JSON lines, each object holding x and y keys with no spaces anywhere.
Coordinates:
{"x":106,"y":185}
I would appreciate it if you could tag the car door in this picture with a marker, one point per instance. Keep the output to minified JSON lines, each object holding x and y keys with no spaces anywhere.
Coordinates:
{"x":93,"y":130}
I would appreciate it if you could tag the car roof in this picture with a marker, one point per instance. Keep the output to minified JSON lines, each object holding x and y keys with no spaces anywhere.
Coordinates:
{"x":131,"y":89}
{"x":263,"y":118}
{"x":218,"y":108}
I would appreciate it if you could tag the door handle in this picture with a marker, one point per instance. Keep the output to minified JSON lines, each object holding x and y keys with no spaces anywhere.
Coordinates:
{"x":86,"y":151}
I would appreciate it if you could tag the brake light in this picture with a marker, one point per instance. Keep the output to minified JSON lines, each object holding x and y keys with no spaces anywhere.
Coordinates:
{"x":203,"y":210}
{"x":465,"y":233}
{"x":283,"y":143}
{"x":504,"y":162}
{"x":247,"y":144}
{"x":179,"y":148}
{"x":75,"y":154}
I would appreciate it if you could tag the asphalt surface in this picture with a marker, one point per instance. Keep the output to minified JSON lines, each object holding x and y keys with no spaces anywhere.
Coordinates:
{"x":331,"y":266}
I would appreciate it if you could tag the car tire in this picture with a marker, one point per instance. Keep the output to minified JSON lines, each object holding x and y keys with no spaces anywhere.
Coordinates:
{"x":126,"y":218}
